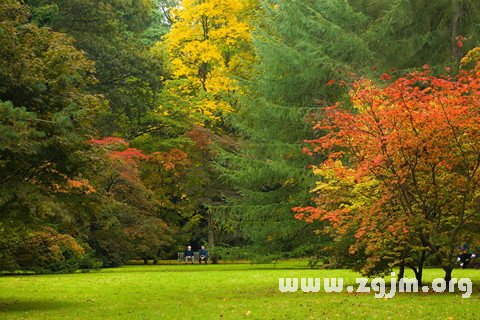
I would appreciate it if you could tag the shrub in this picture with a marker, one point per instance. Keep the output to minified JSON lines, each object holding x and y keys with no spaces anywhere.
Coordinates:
{"x":48,"y":251}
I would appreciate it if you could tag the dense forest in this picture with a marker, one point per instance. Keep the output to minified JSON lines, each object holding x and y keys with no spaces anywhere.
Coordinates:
{"x":346,"y":131}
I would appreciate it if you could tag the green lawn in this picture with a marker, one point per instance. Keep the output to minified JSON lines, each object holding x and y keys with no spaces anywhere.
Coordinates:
{"x":216,"y":292}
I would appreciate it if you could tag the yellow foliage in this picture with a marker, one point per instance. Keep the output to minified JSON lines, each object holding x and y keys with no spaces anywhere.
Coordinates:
{"x":339,"y":184}
{"x":471,"y":59}
{"x":209,"y":43}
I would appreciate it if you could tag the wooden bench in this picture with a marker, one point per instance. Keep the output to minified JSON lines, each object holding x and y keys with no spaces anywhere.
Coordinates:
{"x":181,"y":257}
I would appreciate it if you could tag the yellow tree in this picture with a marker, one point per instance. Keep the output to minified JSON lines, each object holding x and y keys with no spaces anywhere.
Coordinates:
{"x":209,"y":44}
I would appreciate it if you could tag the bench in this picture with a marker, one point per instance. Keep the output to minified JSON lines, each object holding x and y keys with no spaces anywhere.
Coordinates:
{"x":181,"y":257}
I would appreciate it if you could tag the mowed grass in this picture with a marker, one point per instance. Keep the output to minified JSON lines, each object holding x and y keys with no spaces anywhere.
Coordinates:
{"x":241,"y":291}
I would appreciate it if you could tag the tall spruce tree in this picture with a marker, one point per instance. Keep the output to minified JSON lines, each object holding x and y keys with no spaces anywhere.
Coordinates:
{"x":301,"y":46}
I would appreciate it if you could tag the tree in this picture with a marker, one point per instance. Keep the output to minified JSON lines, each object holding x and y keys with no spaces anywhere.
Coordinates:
{"x":161,"y":21}
{"x":409,"y":33}
{"x":46,"y":116}
{"x":411,"y":150}
{"x":305,"y":50}
{"x":48,"y":251}
{"x":129,"y":74}
{"x":208,"y":44}
{"x":132,"y":211}
{"x":187,"y":184}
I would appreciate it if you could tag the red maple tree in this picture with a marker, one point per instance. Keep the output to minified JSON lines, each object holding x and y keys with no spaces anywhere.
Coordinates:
{"x":402,"y":166}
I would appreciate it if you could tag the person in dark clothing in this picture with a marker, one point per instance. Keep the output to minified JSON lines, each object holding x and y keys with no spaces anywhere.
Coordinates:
{"x":189,"y":255}
{"x":465,"y":258}
{"x":203,"y":253}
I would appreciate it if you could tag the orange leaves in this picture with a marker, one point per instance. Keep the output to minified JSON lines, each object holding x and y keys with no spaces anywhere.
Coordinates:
{"x":119,"y":149}
{"x":81,"y":184}
{"x":406,"y":153}
{"x":418,"y":115}
{"x":77,"y":185}
{"x":172,"y":159}
{"x":109,"y":141}
{"x":126,"y":159}
{"x":129,"y":154}
{"x":313,"y":214}
{"x":201,"y":137}
{"x":377,"y":160}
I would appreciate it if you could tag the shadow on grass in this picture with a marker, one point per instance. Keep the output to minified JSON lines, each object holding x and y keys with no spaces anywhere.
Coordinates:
{"x":18,"y":305}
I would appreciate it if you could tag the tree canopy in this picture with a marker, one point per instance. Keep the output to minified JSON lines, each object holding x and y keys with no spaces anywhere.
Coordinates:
{"x":130,"y":129}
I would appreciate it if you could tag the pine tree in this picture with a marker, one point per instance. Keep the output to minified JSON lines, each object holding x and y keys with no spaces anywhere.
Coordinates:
{"x":301,"y":46}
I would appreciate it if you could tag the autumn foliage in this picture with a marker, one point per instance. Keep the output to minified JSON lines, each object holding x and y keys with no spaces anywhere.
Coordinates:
{"x":402,"y":166}
{"x":46,"y":250}
{"x":209,"y":44}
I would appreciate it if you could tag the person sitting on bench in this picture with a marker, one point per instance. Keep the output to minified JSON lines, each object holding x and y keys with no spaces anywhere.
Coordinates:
{"x":189,"y":255}
{"x":465,"y":258}
{"x":203,"y":253}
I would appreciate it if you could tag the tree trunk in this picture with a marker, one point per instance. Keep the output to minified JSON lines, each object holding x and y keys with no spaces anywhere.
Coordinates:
{"x":401,"y":271}
{"x":448,"y":273}
{"x":415,"y":271}
{"x":145,"y":261}
{"x":211,"y":240}
{"x":457,"y":14}
{"x":419,"y":272}
{"x":420,"y":267}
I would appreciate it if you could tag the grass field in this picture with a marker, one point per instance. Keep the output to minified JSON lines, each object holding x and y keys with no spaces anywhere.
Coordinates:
{"x":240,"y":291}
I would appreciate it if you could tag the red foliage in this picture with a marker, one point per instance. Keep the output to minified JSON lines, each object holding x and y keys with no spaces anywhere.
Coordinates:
{"x":386,"y":76}
{"x":201,"y":137}
{"x":129,"y":154}
{"x":419,"y":138}
{"x":109,"y":141}
{"x":123,"y":158}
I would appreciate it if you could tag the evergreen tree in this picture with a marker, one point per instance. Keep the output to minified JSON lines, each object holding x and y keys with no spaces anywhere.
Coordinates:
{"x":301,"y":46}
{"x":411,"y":33}
{"x":118,"y":35}
{"x":306,"y":50}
